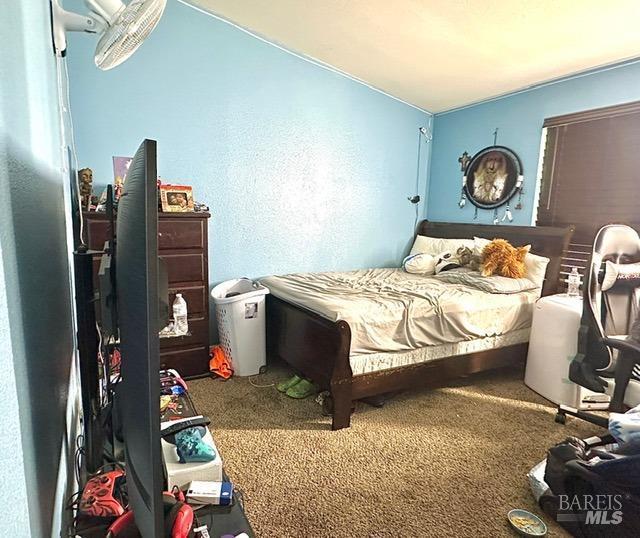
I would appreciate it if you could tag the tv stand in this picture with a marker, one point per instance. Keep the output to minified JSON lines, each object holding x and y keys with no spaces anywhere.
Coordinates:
{"x":220,"y":520}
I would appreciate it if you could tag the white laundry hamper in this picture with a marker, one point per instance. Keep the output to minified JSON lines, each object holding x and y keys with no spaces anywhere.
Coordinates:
{"x":240,"y":311}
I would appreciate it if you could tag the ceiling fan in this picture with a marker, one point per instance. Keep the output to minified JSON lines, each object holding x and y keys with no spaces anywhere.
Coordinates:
{"x":123,"y":28}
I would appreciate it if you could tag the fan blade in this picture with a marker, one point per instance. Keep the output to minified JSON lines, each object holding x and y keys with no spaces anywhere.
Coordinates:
{"x":129,"y":30}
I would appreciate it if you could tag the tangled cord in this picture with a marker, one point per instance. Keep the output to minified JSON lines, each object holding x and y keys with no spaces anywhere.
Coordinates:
{"x":78,"y":456}
{"x":263,"y":370}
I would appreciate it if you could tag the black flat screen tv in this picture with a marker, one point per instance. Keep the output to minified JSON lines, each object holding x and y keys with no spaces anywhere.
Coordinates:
{"x":137,"y":282}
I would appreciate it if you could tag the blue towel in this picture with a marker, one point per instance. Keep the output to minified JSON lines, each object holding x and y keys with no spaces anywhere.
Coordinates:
{"x":625,"y":427}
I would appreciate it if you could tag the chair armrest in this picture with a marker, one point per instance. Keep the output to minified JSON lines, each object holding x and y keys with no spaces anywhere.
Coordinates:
{"x":623,"y":345}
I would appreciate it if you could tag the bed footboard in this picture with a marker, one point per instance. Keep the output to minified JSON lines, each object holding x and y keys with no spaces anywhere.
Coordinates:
{"x":315,"y":347}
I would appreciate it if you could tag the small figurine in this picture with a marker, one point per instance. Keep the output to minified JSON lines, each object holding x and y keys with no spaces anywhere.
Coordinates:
{"x":85,"y":180}
{"x":120,"y":169}
{"x":118,"y":186}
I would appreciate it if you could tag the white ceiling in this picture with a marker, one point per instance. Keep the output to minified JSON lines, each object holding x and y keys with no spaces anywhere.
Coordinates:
{"x":442,"y":54}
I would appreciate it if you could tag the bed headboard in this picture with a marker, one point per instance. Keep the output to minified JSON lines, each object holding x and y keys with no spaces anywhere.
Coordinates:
{"x":548,"y":241}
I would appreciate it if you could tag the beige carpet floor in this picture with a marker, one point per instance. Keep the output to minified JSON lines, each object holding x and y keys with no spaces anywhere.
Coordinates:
{"x":449,"y":462}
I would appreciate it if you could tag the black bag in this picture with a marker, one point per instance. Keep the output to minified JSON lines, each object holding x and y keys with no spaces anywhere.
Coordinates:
{"x":595,"y":488}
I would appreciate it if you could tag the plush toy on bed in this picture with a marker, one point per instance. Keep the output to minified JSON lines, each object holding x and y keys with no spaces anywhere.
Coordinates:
{"x":501,"y":258}
{"x":453,"y":260}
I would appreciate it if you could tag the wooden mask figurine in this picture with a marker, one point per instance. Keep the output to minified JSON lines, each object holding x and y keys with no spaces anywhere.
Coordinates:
{"x":85,"y":180}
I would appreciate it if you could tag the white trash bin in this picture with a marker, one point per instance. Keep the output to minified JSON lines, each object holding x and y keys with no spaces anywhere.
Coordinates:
{"x":240,"y":311}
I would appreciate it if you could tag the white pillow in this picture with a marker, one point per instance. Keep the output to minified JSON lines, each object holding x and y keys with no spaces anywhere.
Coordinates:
{"x":478,"y":245}
{"x":437,"y":245}
{"x":422,"y":264}
{"x":536,"y":266}
{"x":620,"y":272}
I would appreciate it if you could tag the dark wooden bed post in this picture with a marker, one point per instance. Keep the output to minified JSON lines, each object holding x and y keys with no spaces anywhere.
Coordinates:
{"x":341,"y":380}
{"x":316,"y":348}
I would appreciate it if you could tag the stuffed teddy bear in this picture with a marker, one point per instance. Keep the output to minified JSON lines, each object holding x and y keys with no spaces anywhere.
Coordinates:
{"x":501,"y":258}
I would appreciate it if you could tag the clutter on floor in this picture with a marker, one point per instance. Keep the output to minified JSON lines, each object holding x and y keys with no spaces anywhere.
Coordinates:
{"x":297,"y":387}
{"x":625,"y":427}
{"x":199,"y":498}
{"x":607,"y":468}
{"x":220,"y":364}
{"x":450,"y":442}
{"x":285,"y":385}
{"x":526,"y":523}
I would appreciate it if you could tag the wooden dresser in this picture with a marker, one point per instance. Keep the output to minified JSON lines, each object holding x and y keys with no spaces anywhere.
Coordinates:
{"x":182,"y":243}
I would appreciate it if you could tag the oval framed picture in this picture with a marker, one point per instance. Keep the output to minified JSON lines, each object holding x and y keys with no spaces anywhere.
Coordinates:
{"x":492,"y":177}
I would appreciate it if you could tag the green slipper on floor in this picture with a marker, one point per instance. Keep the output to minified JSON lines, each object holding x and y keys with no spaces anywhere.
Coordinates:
{"x":302,"y":389}
{"x":285,"y":385}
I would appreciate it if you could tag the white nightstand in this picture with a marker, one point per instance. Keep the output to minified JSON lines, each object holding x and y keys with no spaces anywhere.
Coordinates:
{"x":552,"y":346}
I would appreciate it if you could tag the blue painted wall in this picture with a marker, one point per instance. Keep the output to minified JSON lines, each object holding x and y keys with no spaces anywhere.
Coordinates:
{"x":519,"y":118}
{"x":303,"y":169}
{"x":36,"y":335}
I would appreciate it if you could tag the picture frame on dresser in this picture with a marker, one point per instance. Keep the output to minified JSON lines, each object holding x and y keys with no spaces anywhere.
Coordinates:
{"x":176,"y":198}
{"x":183,"y":246}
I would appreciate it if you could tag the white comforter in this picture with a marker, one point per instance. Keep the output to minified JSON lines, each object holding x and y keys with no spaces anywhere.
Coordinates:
{"x":390,"y":310}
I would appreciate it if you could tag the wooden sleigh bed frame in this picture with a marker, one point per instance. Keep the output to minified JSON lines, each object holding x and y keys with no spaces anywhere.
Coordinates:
{"x":318,"y":348}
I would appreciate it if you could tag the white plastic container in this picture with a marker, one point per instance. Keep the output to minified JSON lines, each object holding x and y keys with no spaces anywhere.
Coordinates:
{"x":240,"y":311}
{"x":180,"y":314}
{"x":552,"y":346}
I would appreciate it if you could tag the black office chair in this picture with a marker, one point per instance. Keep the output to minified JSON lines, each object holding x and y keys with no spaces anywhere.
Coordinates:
{"x":608,"y":356}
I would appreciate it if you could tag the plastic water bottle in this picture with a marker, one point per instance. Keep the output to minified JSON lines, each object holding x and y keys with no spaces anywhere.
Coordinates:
{"x":180,"y":323}
{"x":573,"y":289}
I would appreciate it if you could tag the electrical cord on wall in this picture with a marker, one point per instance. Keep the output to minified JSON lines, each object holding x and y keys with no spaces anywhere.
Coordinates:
{"x":68,"y":139}
{"x":416,"y":198}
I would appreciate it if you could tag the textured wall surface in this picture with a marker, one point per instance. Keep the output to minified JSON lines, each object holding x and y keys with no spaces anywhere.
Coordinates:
{"x":519,"y":119}
{"x":35,"y":310}
{"x":303,"y":169}
{"x":11,"y":458}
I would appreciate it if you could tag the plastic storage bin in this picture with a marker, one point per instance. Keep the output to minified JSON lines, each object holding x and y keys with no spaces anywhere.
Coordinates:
{"x":240,"y":311}
{"x":552,"y":345}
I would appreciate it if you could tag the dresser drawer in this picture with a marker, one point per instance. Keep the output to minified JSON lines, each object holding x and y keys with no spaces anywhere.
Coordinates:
{"x":173,"y":233}
{"x":180,"y":268}
{"x":188,"y":361}
{"x":180,"y":233}
{"x":185,"y":267}
{"x":196,"y":299}
{"x":199,"y":335}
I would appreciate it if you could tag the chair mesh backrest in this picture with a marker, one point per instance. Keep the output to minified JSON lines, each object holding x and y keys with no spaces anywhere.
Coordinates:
{"x":611,"y":312}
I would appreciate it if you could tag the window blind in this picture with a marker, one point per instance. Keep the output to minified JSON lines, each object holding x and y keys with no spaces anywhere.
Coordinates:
{"x":591,"y":174}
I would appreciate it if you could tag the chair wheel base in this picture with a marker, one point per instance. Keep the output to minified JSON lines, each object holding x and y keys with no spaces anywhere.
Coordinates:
{"x":561,"y":418}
